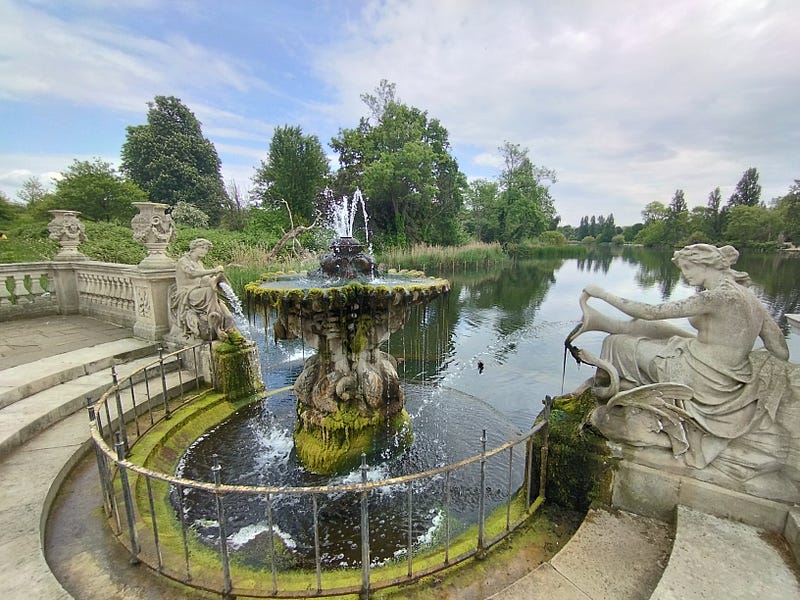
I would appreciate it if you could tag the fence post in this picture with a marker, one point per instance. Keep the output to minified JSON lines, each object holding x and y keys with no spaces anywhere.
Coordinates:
{"x":121,"y":432}
{"x":364,"y":531}
{"x":482,"y":497}
{"x":216,"y":470}
{"x":126,"y":496}
{"x":548,"y":405}
{"x":99,"y":456}
{"x":167,"y":414}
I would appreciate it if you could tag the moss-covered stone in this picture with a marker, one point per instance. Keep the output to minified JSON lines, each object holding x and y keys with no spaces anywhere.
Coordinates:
{"x":579,"y":468}
{"x":346,"y":435}
{"x":237,"y":367}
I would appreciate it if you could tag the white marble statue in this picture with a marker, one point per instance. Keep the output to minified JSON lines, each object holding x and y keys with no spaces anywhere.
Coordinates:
{"x":705,"y":395}
{"x":196,"y":308}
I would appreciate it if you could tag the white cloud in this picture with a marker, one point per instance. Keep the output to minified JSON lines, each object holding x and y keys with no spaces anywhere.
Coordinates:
{"x":92,"y":62}
{"x":626,"y":101}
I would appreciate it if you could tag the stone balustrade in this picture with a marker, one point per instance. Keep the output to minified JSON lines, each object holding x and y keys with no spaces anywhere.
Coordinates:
{"x":128,"y":295}
{"x":105,"y":290}
{"x":27,"y":290}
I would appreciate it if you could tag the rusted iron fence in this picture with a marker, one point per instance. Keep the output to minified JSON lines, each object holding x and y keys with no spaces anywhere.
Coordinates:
{"x":166,"y":541}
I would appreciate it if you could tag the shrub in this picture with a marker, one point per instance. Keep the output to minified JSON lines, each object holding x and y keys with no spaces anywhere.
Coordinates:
{"x":189,"y":215}
{"x":552,"y":238}
{"x":618,"y":240}
{"x":589,"y":239}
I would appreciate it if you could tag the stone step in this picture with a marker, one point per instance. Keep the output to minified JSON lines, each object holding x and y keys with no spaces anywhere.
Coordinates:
{"x":25,"y":418}
{"x":614,"y":555}
{"x":719,"y":558}
{"x":19,"y":382}
{"x":26,"y":500}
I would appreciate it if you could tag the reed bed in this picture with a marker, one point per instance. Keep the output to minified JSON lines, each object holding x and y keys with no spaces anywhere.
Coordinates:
{"x":424,"y":257}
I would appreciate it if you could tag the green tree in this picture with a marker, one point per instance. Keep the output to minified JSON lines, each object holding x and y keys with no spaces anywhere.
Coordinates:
{"x":752,"y":224}
{"x":583,"y":228}
{"x":403,"y":165}
{"x":32,"y":191}
{"x":526,"y":208}
{"x":296,"y":171}
{"x":788,"y":209}
{"x":748,"y":190}
{"x":171,"y":159}
{"x":8,"y":211}
{"x":654,"y":229}
{"x":482,"y":199}
{"x":677,"y":228}
{"x":96,"y":190}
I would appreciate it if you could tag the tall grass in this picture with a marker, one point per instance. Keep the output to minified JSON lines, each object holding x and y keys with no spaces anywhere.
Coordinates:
{"x":423,"y":257}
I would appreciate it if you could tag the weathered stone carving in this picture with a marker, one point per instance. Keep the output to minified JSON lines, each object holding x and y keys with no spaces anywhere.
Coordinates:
{"x":197,"y":312}
{"x":69,"y":232}
{"x":708,"y":397}
{"x":155,"y":229}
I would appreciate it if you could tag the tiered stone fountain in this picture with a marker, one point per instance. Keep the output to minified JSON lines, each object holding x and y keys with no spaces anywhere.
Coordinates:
{"x":349,"y":392}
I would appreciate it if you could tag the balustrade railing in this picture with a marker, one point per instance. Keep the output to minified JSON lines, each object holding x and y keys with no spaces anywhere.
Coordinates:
{"x":147,"y":512}
{"x":27,"y":289}
{"x":105,"y":290}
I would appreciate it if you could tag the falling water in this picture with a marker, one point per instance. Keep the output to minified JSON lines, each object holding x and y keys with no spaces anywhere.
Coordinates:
{"x":343,"y":215}
{"x":242,"y":322}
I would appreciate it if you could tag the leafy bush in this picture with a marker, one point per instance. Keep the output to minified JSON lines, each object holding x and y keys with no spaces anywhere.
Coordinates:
{"x":618,"y":240}
{"x":552,"y":238}
{"x":189,"y":215}
{"x":27,"y":241}
{"x":589,"y":239}
{"x":109,"y":242}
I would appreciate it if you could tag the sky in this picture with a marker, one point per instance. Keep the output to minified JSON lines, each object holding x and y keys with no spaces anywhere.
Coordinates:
{"x":627,"y":100}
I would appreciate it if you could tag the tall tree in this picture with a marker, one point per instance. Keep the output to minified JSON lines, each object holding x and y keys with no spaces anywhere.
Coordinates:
{"x":789,"y":209}
{"x":677,"y":220}
{"x":715,"y":216}
{"x":32,"y":191}
{"x":403,"y":164}
{"x":482,"y":200}
{"x":171,"y":159}
{"x":296,"y":171}
{"x":526,"y":206}
{"x":97,"y":191}
{"x":385,"y":94}
{"x":654,"y":230}
{"x":749,"y":224}
{"x":748,"y":190}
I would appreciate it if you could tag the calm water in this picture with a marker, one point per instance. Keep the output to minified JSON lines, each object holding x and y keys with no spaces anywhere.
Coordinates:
{"x":513,"y":320}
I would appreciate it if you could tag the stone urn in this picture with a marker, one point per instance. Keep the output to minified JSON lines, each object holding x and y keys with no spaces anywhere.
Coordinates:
{"x":68,"y":231}
{"x":155,"y":229}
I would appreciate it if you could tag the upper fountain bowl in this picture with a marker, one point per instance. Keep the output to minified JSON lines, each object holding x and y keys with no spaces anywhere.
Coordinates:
{"x":347,"y":260}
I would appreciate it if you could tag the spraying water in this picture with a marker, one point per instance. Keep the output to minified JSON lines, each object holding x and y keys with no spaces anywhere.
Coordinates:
{"x":343,"y":215}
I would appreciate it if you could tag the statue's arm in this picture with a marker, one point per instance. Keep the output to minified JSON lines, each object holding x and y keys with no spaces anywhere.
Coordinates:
{"x":688,"y":307}
{"x":773,"y":338}
{"x":195,"y":271}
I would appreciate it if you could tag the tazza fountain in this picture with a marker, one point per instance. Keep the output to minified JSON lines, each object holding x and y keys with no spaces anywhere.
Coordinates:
{"x":349,"y":393}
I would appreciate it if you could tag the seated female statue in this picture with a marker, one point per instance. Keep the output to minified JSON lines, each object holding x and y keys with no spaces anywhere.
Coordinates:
{"x":724,"y":390}
{"x":197,"y":308}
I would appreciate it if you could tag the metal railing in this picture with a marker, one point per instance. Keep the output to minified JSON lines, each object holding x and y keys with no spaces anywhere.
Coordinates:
{"x":135,"y":498}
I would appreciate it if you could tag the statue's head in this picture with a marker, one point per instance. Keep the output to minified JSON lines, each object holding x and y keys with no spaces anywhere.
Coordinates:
{"x":200,"y":243}
{"x":708,"y":255}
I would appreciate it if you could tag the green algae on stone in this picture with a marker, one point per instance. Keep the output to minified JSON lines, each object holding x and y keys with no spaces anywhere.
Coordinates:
{"x":579,"y":467}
